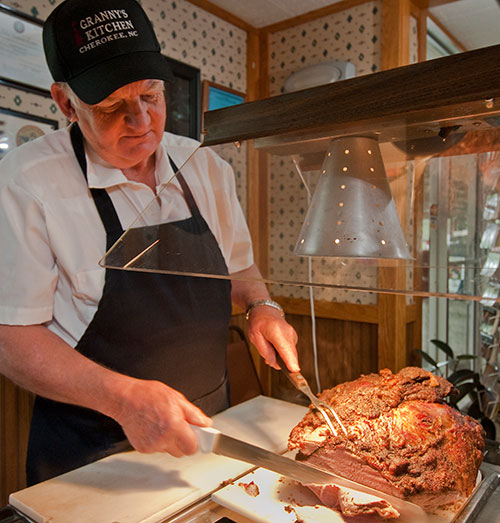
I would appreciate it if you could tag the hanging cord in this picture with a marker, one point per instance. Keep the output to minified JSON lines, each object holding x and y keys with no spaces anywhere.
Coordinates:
{"x":311,"y":289}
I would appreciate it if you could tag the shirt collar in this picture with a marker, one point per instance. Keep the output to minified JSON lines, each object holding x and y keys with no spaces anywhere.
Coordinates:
{"x":102,"y":175}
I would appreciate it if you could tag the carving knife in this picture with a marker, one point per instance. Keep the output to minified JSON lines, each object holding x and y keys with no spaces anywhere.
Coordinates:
{"x":212,"y":440}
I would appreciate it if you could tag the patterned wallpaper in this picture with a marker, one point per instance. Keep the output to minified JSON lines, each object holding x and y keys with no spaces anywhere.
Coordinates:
{"x":351,"y":35}
{"x":186,"y":33}
{"x":198,"y":38}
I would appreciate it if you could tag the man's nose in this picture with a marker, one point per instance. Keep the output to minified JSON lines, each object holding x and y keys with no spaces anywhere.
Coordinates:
{"x":137,"y":114}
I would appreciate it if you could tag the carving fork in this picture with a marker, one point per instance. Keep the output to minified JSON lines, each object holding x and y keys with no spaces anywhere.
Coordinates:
{"x":300,"y":383}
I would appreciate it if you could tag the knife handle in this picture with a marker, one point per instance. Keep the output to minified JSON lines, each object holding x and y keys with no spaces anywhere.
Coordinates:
{"x":207,"y":436}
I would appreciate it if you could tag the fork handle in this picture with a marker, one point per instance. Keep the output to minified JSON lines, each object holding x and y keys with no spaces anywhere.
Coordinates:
{"x":295,"y":377}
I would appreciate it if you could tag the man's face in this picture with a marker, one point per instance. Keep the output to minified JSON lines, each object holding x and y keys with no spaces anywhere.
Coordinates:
{"x":127,"y":126}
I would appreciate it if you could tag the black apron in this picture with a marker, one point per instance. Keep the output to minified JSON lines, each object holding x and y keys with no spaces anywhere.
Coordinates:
{"x":171,"y":328}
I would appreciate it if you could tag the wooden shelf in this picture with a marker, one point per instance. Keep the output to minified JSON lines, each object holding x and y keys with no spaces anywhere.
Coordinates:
{"x":404,"y":103}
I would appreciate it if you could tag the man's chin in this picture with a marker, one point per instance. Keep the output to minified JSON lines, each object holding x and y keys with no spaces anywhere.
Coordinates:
{"x":139,"y":152}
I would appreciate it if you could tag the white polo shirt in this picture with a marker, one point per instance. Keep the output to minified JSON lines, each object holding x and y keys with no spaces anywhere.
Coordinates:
{"x":52,"y":238}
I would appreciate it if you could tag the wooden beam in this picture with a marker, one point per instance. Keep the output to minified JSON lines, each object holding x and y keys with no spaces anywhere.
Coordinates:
{"x":392,"y":332}
{"x":418,"y":93}
{"x":422,"y":35}
{"x":222,"y":13}
{"x":424,"y":4}
{"x":313,"y":15}
{"x":395,"y":33}
{"x":330,"y":310}
{"x":257,"y":161}
{"x":392,"y":350}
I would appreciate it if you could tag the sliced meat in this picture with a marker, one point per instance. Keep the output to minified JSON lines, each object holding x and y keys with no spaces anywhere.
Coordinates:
{"x":352,"y":503}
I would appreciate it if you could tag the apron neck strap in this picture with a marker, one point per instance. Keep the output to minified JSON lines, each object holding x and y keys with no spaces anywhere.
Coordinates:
{"x":101,"y":198}
{"x":188,"y":195}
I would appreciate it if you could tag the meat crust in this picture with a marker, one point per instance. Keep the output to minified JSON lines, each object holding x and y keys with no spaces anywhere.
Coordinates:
{"x":403,"y":438}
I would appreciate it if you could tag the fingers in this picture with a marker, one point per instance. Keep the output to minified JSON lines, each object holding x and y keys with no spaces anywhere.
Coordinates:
{"x":195,"y":416}
{"x":264,"y":347}
{"x":180,"y":439}
{"x":268,"y":334}
{"x":267,"y":351}
{"x":158,"y":419}
{"x":184,"y":444}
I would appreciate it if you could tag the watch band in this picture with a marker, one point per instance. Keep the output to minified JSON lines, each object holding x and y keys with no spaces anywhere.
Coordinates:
{"x":260,"y":303}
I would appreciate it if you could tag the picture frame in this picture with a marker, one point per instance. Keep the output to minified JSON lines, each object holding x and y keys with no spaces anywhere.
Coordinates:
{"x":183,"y":98}
{"x":217,"y":96}
{"x":21,"y":52}
{"x":17,"y":128}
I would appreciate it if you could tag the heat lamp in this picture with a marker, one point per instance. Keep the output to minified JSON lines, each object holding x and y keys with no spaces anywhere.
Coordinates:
{"x":352,"y":211}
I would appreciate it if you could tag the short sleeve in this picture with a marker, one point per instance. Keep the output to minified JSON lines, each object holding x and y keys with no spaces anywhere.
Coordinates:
{"x":28,"y":275}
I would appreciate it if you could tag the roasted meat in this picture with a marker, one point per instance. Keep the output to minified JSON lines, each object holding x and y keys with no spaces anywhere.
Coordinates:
{"x":403,"y":438}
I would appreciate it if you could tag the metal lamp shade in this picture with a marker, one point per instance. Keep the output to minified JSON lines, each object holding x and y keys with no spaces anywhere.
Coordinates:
{"x":352,"y":212}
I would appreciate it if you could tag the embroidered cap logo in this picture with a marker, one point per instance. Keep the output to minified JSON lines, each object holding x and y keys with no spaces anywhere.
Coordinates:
{"x":104,"y":27}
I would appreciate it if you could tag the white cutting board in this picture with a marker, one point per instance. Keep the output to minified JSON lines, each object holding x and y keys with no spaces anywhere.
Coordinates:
{"x":146,"y":488}
{"x":279,"y":500}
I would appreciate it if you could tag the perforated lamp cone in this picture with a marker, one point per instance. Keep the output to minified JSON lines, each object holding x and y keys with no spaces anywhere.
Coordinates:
{"x":352,"y":212}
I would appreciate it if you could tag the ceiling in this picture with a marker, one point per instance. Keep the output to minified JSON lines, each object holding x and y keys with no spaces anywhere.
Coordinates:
{"x":474,"y":23}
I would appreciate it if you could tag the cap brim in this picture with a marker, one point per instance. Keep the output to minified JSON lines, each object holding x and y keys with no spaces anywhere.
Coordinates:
{"x":95,"y":84}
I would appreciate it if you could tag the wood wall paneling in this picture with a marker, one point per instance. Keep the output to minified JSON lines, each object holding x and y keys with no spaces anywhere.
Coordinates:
{"x":331,"y":310}
{"x":16,"y":407}
{"x":345,"y":350}
{"x":351,"y":339}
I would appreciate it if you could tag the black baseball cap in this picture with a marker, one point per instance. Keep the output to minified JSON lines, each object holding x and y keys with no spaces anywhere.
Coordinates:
{"x":98,"y":46}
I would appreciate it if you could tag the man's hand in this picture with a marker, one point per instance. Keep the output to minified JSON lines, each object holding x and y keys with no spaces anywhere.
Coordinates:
{"x":267,"y":329}
{"x":156,"y":418}
{"x":153,"y":416}
{"x":269,"y":332}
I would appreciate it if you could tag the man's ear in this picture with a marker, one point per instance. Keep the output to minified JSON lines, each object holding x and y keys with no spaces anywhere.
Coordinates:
{"x":64,"y":103}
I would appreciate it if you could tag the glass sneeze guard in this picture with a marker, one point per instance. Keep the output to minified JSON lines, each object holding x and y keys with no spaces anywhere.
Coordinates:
{"x":443,"y":167}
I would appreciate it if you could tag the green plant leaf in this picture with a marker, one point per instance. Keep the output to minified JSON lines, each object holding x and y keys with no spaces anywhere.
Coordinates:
{"x":464,"y":389}
{"x":474,"y":410}
{"x":462,"y":375}
{"x":444,"y":347}
{"x":467,"y":357}
{"x":427,"y":358}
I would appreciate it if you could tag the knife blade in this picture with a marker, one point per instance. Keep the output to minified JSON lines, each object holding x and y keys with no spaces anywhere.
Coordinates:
{"x":212,"y":440}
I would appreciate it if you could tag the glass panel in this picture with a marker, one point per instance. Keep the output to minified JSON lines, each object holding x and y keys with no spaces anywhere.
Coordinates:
{"x":444,"y":186}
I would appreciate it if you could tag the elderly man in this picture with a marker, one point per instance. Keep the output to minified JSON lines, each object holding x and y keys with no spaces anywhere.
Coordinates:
{"x":116,"y":356}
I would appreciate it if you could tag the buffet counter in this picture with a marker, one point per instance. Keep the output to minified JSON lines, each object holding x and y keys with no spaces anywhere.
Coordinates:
{"x":131,"y":487}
